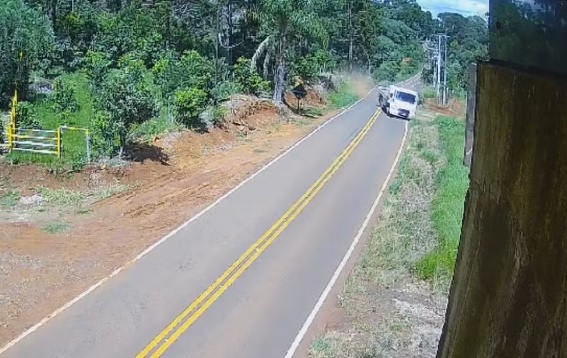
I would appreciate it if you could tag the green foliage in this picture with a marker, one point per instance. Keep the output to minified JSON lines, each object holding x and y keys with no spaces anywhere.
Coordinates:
{"x":343,"y":97}
{"x":428,"y":93}
{"x":308,"y":67}
{"x":190,"y":71}
{"x":247,"y":80}
{"x":223,"y":90}
{"x":26,"y":116}
{"x":148,"y":131}
{"x":448,"y":202}
{"x":125,"y":99}
{"x":55,"y":227}
{"x":120,"y":65}
{"x":97,"y":65}
{"x":105,"y":131}
{"x":64,"y":97}
{"x":9,"y":199}
{"x":23,"y":31}
{"x":188,"y":105}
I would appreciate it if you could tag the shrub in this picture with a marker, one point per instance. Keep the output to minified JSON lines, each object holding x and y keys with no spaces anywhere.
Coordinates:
{"x":64,"y":97}
{"x":429,"y":93}
{"x":104,"y":134}
{"x":188,"y":105}
{"x":308,"y":67}
{"x":190,"y":71}
{"x":25,"y":40}
{"x":387,"y":71}
{"x":247,"y":80}
{"x":126,"y":99}
{"x":26,"y":116}
{"x":97,"y":65}
{"x":223,"y":90}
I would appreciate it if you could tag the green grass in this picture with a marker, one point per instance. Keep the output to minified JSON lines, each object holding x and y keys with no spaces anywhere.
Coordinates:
{"x":9,"y":199}
{"x":344,"y":96}
{"x":55,"y":227}
{"x":419,"y":231}
{"x":73,"y":142}
{"x":149,"y":131}
{"x":62,"y":197}
{"x":428,"y":93}
{"x":447,"y":206}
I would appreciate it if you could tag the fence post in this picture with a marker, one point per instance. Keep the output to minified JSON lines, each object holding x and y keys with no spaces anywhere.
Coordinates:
{"x":88,"y":146}
{"x":58,"y":141}
{"x":12,"y":125}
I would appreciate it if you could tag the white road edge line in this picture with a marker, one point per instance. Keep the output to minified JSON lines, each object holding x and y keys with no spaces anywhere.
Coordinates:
{"x":175,"y":231}
{"x":301,"y":334}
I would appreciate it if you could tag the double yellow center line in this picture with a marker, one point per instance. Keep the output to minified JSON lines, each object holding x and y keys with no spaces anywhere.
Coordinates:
{"x":182,"y":322}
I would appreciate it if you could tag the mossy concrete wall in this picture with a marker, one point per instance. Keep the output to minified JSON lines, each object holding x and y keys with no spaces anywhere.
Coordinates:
{"x":508,"y":297}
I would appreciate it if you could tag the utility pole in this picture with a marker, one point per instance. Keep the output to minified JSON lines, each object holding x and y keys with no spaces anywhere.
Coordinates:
{"x":445,"y":72}
{"x":438,"y":78}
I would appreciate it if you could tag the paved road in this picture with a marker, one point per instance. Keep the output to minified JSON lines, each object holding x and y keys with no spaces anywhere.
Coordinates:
{"x":261,"y":311}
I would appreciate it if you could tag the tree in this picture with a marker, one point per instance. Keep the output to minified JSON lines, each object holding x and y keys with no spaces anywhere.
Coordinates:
{"x":126,"y":99}
{"x":25,"y":39}
{"x":285,"y":21}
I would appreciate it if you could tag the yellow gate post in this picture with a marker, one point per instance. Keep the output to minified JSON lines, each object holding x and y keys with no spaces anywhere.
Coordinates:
{"x":12,"y":125}
{"x":58,"y":142}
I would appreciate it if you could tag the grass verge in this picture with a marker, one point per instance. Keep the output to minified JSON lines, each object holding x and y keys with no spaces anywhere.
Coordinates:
{"x":447,"y":205}
{"x":344,"y":96}
{"x":395,"y":299}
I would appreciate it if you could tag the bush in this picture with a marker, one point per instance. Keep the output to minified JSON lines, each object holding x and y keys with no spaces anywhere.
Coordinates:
{"x":64,"y":97}
{"x":308,"y":67}
{"x":247,"y":80}
{"x":387,"y":71}
{"x":188,"y":105}
{"x":23,"y":31}
{"x":97,"y":65}
{"x":429,"y":93}
{"x":223,"y":90}
{"x":342,"y":97}
{"x":26,"y":116}
{"x":126,"y":99}
{"x":105,"y":136}
{"x":213,"y":116}
{"x":191,"y":71}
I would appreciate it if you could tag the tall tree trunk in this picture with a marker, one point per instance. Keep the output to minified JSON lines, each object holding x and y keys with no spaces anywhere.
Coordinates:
{"x":217,"y":43}
{"x":350,"y":37}
{"x":53,"y":13}
{"x":280,"y":71}
{"x":266,"y":66}
{"x":230,"y":15}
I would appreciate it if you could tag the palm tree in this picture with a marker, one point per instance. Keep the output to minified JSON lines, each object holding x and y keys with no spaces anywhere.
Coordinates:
{"x":283,"y":22}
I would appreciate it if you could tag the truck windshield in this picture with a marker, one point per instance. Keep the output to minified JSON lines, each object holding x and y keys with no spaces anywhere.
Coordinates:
{"x":405,"y":97}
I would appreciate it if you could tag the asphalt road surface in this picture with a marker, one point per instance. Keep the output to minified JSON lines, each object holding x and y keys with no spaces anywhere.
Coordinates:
{"x":241,"y":279}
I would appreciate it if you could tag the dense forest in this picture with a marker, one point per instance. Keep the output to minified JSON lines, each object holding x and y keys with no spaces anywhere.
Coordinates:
{"x":117,"y":66}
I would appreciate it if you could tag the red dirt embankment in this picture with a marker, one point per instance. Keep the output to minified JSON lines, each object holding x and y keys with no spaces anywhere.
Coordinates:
{"x":58,"y":240}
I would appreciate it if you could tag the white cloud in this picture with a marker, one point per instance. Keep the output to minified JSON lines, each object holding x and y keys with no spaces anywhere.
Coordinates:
{"x":464,"y":7}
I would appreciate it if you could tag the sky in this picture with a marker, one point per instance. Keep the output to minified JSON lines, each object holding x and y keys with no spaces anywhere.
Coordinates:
{"x":464,"y":7}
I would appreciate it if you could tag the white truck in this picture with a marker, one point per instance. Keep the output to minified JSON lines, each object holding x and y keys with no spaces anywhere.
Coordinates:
{"x":398,"y":101}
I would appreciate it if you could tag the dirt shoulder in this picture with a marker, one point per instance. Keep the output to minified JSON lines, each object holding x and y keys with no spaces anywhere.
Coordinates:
{"x":59,"y":235}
